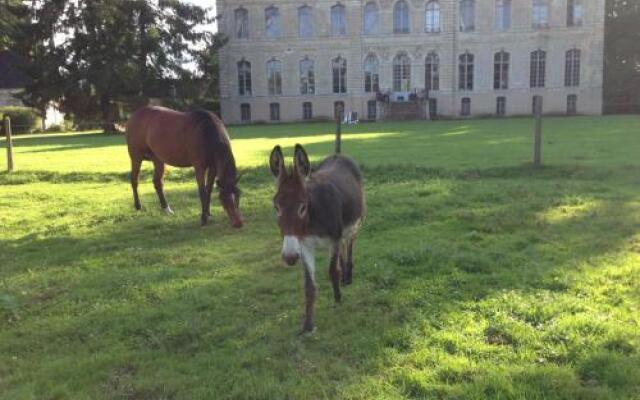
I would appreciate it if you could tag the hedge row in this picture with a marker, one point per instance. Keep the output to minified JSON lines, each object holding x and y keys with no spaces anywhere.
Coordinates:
{"x":23,"y":119}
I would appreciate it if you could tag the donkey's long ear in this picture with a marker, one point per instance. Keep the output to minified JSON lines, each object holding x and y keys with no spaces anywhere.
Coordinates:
{"x":276,"y":161}
{"x":301,"y":161}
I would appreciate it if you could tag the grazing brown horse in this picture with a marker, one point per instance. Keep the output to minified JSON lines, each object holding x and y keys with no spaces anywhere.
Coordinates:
{"x":195,"y":139}
{"x":325,"y":207}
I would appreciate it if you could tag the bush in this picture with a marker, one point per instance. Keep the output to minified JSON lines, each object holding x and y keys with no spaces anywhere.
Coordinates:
{"x":23,"y":119}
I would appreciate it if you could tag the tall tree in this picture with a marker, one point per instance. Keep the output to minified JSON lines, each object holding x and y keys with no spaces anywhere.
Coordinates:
{"x":13,"y":13}
{"x":110,"y":55}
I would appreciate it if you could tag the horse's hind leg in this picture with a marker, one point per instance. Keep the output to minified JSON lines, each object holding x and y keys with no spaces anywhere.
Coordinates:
{"x":158,"y":180}
{"x":202,"y":191}
{"x":135,"y":176}
{"x":211,"y":177}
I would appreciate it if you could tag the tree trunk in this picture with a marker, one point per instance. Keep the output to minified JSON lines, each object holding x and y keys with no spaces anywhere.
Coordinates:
{"x":108,"y":125}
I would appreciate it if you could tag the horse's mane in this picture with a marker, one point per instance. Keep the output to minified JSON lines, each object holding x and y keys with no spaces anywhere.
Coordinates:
{"x":218,"y":144}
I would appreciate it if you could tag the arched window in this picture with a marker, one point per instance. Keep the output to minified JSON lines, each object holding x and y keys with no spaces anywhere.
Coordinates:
{"x":572,"y":104}
{"x":465,"y":71}
{"x":575,"y":13}
{"x":467,"y":15}
{"x":338,"y":20}
{"x":432,"y":72}
{"x":401,"y":73}
{"x":432,"y":17}
{"x":501,"y":70}
{"x":274,"y":111}
{"x":371,"y":20}
{"x":401,"y":17}
{"x":540,"y":14}
{"x":307,"y":110}
{"x":305,"y":21}
{"x":503,"y":15}
{"x":371,"y":76}
{"x":465,"y":107}
{"x":572,"y":68}
{"x":339,"y":72}
{"x":538,"y":66}
{"x":245,"y":112}
{"x":274,"y":77}
{"x":307,"y":77}
{"x":272,"y":22}
{"x":244,"y":78}
{"x":242,"y":23}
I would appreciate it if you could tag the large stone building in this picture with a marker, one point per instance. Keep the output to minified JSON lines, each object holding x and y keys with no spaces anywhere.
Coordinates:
{"x":298,"y":60}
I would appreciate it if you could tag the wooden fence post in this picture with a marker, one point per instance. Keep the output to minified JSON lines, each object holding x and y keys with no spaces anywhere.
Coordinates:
{"x":7,"y":132}
{"x":537,"y":144}
{"x":338,"y":134}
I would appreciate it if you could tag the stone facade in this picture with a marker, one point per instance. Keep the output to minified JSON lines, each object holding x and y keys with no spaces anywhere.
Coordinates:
{"x":519,"y":40}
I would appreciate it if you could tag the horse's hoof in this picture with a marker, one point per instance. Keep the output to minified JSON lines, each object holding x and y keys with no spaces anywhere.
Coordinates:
{"x":168,"y":211}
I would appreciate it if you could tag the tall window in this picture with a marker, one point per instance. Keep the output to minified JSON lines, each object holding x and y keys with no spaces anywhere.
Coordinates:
{"x":432,"y":72}
{"x":575,"y":13}
{"x":572,"y":104}
{"x":501,"y":106}
{"x":401,"y":73}
{"x":371,"y":76}
{"x":245,"y":112}
{"x":272,"y":22}
{"x":538,"y":66}
{"x":307,"y":110}
{"x":467,"y":15}
{"x":401,"y":17}
{"x":338,"y":20}
{"x":465,"y":107}
{"x":274,"y":111}
{"x":540,"y":13}
{"x":274,"y":77}
{"x":572,"y":68}
{"x":501,"y":70}
{"x":432,"y":17}
{"x":242,"y":23}
{"x":339,"y":71}
{"x":244,"y":78}
{"x":465,"y":72}
{"x":305,"y":21}
{"x":307,"y":77}
{"x":372,"y":110}
{"x":433,"y":108}
{"x":371,"y":22}
{"x":503,"y":15}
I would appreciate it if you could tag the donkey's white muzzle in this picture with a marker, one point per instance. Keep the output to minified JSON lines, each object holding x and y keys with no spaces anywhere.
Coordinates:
{"x":290,"y":250}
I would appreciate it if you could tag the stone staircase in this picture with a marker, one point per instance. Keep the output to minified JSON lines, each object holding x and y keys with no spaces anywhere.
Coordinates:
{"x":404,"y":111}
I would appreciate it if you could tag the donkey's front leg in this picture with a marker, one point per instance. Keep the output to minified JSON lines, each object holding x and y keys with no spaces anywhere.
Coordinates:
{"x":334,"y":271}
{"x":310,"y":289}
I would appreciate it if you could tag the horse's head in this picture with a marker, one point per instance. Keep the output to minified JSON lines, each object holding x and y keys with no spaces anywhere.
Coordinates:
{"x":230,"y":200}
{"x":291,"y":200}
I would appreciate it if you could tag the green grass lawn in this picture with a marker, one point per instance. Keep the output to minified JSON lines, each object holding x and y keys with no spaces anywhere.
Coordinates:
{"x":475,"y":277}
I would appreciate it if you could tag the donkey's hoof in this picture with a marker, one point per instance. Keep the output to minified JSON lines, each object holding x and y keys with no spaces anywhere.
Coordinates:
{"x":307,"y":331}
{"x":168,"y":211}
